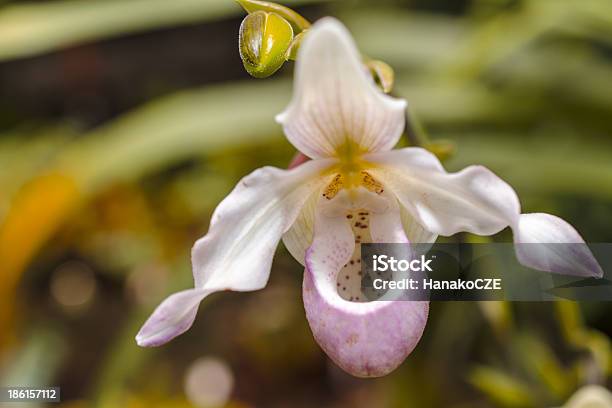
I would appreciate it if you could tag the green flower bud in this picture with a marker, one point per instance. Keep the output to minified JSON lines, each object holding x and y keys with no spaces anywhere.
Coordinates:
{"x":264,"y":41}
{"x":383,"y":74}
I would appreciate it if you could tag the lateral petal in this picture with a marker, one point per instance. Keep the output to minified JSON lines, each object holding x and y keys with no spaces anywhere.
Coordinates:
{"x":537,"y":238}
{"x":473,"y":200}
{"x":172,"y":317}
{"x":476,"y":200}
{"x":236,"y":253}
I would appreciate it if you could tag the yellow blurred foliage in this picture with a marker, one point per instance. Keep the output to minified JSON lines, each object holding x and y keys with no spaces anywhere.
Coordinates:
{"x":37,"y":211}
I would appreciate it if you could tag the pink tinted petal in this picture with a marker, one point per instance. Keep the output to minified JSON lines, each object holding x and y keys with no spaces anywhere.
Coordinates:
{"x":297,"y":160}
{"x":172,"y":317}
{"x":336,"y":100}
{"x":535,"y":236}
{"x":365,"y":339}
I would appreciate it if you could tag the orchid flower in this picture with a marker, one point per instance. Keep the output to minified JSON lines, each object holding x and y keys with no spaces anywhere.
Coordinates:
{"x":355,"y":189}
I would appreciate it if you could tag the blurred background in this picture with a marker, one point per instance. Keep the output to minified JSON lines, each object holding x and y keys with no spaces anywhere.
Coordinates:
{"x":124,"y":122}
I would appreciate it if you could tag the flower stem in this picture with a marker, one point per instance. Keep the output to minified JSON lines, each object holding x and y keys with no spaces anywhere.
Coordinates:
{"x":415,"y":132}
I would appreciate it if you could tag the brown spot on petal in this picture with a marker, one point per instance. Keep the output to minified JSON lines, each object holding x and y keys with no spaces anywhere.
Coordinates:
{"x":352,"y":339}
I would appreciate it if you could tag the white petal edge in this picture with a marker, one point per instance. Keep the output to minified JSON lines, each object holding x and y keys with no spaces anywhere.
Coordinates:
{"x":537,"y":238}
{"x":386,"y":227}
{"x":416,"y":233}
{"x":336,"y":100}
{"x":174,"y":316}
{"x":473,"y":200}
{"x":237,"y":252}
{"x":299,"y":237}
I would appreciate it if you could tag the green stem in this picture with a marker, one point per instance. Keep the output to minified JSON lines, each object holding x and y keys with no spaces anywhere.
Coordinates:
{"x":416,"y":133}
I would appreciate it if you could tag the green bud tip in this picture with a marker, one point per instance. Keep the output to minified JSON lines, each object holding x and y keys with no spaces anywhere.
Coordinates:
{"x":383,"y":74}
{"x":264,"y":40}
{"x":298,"y":23}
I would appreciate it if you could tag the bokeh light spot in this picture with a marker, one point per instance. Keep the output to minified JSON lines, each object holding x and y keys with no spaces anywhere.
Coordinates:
{"x":73,"y":285}
{"x":209,"y":382}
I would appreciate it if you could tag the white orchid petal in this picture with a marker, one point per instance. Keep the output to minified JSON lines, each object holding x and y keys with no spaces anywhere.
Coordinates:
{"x":535,"y":236}
{"x":367,"y":339}
{"x":415,"y":232}
{"x":246,"y":227}
{"x":236,"y":253}
{"x":386,"y":227}
{"x":476,"y":200}
{"x":299,"y":237}
{"x":172,"y":317}
{"x":336,"y":100}
{"x":473,"y":200}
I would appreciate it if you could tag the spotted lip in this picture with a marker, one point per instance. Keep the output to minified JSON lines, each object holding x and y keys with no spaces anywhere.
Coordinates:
{"x":365,"y":339}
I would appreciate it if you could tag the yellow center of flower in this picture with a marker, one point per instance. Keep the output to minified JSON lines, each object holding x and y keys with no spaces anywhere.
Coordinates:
{"x":351,"y":172}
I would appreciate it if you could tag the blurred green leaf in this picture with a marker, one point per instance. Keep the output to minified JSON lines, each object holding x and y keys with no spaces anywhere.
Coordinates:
{"x":22,"y":158}
{"x":545,"y":164}
{"x":124,"y":357}
{"x":501,"y":388}
{"x":581,"y":336}
{"x":541,"y":363}
{"x":404,"y":40}
{"x":35,"y":362}
{"x":183,"y":125}
{"x":29,"y":29}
